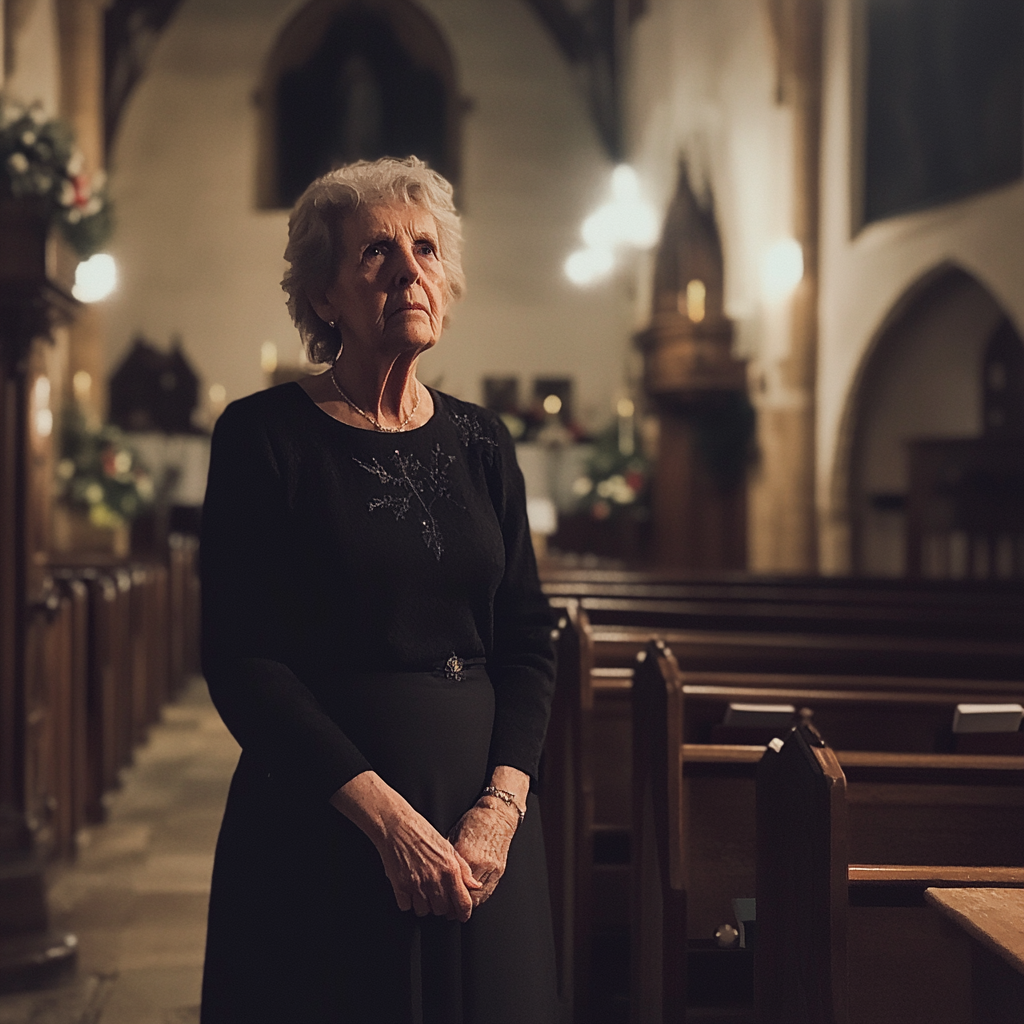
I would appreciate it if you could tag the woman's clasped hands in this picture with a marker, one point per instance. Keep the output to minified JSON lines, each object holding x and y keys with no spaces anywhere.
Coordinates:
{"x":429,"y":873}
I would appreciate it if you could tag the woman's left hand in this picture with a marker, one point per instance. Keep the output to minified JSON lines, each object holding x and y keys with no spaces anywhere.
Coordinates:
{"x":482,"y":837}
{"x":483,"y":834}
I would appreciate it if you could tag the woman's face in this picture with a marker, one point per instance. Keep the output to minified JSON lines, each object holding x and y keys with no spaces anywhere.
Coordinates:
{"x":390,"y":292}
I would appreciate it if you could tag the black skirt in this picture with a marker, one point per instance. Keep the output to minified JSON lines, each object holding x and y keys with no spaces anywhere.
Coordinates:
{"x":303,"y":924}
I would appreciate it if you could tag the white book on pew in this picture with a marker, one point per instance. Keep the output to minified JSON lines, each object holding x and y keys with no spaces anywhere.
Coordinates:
{"x":759,"y":716}
{"x":987,"y":717}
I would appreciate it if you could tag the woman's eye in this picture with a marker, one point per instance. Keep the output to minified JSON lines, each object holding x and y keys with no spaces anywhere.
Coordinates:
{"x":372,"y":251}
{"x":427,"y":249}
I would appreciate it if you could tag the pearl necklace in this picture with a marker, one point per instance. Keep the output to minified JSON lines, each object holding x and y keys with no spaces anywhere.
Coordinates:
{"x":369,"y":417}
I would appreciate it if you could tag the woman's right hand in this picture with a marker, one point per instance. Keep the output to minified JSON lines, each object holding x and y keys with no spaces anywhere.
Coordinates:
{"x":426,"y":873}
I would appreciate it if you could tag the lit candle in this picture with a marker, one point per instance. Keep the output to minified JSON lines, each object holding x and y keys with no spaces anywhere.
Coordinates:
{"x":627,"y":435}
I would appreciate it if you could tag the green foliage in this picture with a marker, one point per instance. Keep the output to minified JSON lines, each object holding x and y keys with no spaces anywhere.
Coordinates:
{"x":617,"y":481}
{"x":99,"y":473}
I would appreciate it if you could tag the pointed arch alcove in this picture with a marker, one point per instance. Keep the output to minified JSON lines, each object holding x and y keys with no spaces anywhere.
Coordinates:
{"x":349,"y":80}
{"x":917,"y":434}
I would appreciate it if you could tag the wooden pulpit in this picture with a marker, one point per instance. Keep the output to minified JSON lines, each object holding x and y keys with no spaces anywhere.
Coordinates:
{"x":699,"y":391}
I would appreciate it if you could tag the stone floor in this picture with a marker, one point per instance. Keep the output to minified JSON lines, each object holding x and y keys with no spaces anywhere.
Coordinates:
{"x":136,"y":895}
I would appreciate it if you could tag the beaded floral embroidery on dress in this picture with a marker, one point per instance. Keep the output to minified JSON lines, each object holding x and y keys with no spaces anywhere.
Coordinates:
{"x":470,"y":430}
{"x":418,"y":488}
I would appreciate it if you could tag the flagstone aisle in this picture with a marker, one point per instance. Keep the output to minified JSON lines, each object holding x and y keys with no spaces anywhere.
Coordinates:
{"x":136,"y":896}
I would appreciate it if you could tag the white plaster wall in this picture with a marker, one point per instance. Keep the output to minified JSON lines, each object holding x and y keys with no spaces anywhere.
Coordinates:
{"x":35,"y":77}
{"x":864,"y":274}
{"x":198,"y":259}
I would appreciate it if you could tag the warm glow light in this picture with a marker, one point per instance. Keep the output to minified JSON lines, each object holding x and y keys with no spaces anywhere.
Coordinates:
{"x":41,"y":402}
{"x":589,"y":265}
{"x":95,"y":278}
{"x":218,"y":394}
{"x":782,"y":269}
{"x":81,"y":384}
{"x":542,"y":515}
{"x":624,"y":407}
{"x":268,"y":357}
{"x":696,"y":293}
{"x":552,"y":405}
{"x":625,"y":221}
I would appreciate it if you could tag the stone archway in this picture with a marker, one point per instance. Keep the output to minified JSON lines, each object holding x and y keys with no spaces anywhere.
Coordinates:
{"x":921,"y":378}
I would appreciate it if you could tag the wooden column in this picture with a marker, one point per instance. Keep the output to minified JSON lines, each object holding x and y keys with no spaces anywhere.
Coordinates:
{"x":80,"y":24}
{"x":784,"y":518}
{"x":31,"y":302}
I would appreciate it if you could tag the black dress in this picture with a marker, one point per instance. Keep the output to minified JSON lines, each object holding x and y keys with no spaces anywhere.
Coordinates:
{"x":370,"y":600}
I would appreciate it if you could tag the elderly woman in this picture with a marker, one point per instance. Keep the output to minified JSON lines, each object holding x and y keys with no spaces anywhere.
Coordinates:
{"x":375,"y":638}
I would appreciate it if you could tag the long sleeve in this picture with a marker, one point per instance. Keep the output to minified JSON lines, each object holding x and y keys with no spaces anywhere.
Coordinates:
{"x":249,"y":619}
{"x":522,"y":662}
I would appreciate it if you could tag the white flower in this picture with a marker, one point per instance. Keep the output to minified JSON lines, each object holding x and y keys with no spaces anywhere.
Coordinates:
{"x":92,"y":207}
{"x":582,"y":486}
{"x":93,"y":494}
{"x":67,"y":193}
{"x":18,"y":163}
{"x":74,"y":215}
{"x":28,"y":138}
{"x":122,"y":462}
{"x":75,"y":163}
{"x":616,"y":488}
{"x":65,"y":469}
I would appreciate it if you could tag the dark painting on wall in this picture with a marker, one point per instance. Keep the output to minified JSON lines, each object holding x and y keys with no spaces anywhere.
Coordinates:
{"x":360,"y":96}
{"x":945,"y":101}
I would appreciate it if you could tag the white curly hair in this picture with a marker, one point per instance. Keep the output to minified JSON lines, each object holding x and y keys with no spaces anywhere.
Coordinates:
{"x":314,"y":235}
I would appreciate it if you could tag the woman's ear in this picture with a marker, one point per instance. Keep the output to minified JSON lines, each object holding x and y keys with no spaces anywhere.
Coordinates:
{"x":322,"y":307}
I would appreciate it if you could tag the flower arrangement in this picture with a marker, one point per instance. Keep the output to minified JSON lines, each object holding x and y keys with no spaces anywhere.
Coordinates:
{"x":99,"y":474}
{"x":616,"y":482}
{"x":41,"y":161}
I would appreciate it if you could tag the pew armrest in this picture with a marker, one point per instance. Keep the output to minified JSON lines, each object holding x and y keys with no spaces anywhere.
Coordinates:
{"x":904,"y":885}
{"x":942,"y":876}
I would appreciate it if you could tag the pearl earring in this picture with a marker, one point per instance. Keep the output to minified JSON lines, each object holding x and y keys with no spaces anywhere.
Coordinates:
{"x":330,"y":323}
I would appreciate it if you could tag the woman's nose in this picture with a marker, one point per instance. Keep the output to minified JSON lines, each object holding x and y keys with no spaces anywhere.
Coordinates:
{"x":407,"y":270}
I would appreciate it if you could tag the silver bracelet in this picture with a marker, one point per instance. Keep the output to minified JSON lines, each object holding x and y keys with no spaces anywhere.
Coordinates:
{"x":506,"y":798}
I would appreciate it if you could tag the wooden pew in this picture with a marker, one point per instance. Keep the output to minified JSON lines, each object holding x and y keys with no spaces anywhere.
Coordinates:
{"x":988,"y":925}
{"x":906,"y":618}
{"x":818,"y":814}
{"x":55,"y":717}
{"x":134,"y":642}
{"x":669,"y":584}
{"x":693,"y":821}
{"x":592,"y":713}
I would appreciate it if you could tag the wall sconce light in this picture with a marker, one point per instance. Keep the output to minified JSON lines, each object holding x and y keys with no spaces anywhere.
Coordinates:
{"x":95,"y":278}
{"x":782,"y":269}
{"x":625,"y":221}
